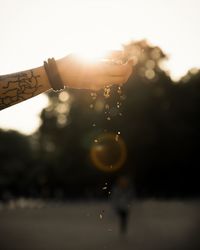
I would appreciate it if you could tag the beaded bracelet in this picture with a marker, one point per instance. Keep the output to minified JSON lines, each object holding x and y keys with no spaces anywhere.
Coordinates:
{"x":53,"y":75}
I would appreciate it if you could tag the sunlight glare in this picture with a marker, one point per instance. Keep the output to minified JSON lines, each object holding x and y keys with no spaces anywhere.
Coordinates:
{"x":24,"y":117}
{"x":94,"y":52}
{"x":37,"y":30}
{"x":90,"y":54}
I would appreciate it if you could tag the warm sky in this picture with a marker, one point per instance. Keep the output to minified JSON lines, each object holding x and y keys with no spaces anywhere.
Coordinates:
{"x":33,"y":30}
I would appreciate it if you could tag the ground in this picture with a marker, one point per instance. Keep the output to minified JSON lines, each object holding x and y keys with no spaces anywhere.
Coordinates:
{"x":158,"y":225}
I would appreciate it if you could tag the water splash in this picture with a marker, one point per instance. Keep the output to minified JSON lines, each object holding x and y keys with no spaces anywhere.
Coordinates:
{"x":119,"y":90}
{"x":106,"y":92}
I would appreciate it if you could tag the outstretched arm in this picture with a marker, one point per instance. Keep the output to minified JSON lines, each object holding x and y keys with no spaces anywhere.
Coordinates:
{"x":20,"y":86}
{"x":17,"y":87}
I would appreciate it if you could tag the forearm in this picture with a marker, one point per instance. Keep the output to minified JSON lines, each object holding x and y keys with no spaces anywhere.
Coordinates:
{"x":20,"y":86}
{"x":73,"y":73}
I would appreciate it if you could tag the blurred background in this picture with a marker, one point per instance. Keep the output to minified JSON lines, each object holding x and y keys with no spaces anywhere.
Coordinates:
{"x":62,"y":153}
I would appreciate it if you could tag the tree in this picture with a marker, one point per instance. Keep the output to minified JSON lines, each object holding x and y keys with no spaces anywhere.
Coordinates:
{"x":157,"y":118}
{"x":15,"y":153}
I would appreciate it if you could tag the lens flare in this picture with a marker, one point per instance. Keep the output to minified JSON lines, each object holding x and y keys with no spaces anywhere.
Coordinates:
{"x":90,"y":54}
{"x":108,"y":153}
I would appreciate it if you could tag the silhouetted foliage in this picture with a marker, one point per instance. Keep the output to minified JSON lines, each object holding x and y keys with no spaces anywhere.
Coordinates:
{"x":15,"y":154}
{"x":159,"y":124}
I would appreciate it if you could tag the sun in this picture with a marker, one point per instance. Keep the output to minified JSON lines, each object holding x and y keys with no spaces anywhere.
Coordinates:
{"x":90,"y":53}
{"x":93,"y":52}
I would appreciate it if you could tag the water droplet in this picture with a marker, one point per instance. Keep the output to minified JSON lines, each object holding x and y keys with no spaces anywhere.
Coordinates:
{"x":106,"y":92}
{"x":116,"y":137}
{"x":118,"y":105}
{"x":107,"y":106}
{"x":100,"y":216}
{"x":104,"y":188}
{"x":119,"y":90}
{"x":118,"y":132}
{"x":108,"y":118}
{"x":120,"y":114}
{"x":95,"y":140}
{"x":93,"y":125}
{"x":91,"y":106}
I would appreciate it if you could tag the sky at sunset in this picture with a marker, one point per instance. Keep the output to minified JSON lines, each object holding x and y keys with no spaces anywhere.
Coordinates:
{"x":32,"y":31}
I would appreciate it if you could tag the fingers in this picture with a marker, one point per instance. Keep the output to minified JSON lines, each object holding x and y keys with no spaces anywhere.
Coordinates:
{"x":114,"y":69}
{"x":78,"y":74}
{"x":114,"y":74}
{"x":114,"y":54}
{"x":118,"y":79}
{"x":111,"y":80}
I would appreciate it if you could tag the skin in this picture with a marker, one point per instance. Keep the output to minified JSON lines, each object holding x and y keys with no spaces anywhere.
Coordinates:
{"x":75,"y":73}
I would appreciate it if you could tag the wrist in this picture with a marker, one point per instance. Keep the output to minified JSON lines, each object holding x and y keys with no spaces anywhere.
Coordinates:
{"x":63,"y":71}
{"x":53,"y":74}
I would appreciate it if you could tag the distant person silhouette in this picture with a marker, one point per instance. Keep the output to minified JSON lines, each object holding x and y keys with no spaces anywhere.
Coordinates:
{"x":121,"y":197}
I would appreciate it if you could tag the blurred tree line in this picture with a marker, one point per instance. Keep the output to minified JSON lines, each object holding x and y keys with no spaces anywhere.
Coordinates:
{"x":157,"y":118}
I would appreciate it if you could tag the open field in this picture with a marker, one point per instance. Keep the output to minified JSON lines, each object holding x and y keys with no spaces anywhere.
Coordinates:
{"x":158,"y":225}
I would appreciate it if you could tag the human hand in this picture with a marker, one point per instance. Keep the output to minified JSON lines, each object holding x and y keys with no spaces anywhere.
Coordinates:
{"x":77,"y":73}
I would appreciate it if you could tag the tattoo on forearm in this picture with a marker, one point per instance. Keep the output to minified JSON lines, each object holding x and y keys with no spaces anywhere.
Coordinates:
{"x":18,"y":87}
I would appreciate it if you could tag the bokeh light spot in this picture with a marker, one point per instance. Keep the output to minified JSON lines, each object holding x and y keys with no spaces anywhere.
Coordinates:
{"x":108,"y":153}
{"x":150,"y":74}
{"x":64,"y":96}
